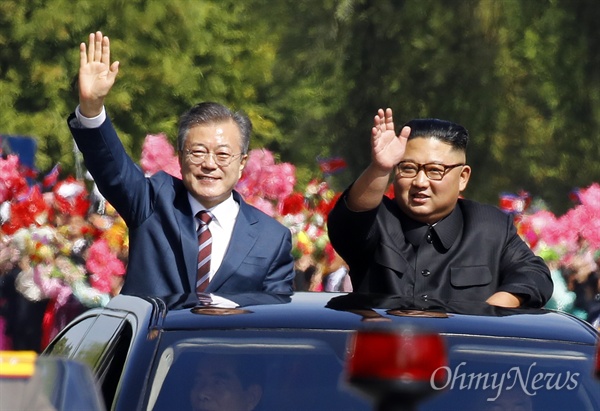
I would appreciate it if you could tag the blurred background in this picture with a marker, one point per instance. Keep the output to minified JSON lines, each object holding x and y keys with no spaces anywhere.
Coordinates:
{"x":522,"y":76}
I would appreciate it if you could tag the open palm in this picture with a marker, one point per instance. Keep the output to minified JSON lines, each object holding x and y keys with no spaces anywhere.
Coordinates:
{"x":96,"y":74}
{"x":387,"y":148}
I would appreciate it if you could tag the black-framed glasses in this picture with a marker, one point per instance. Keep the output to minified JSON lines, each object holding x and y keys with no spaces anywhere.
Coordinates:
{"x":433,"y":171}
{"x":222,"y":159}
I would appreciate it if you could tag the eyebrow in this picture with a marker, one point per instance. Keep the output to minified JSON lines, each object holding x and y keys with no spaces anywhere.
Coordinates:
{"x":200,"y":145}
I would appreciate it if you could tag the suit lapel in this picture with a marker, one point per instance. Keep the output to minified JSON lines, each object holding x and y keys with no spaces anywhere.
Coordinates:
{"x":243,"y":238}
{"x":187,"y":235}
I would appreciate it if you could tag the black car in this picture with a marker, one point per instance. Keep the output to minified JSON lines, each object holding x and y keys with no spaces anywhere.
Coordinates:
{"x":324,"y":351}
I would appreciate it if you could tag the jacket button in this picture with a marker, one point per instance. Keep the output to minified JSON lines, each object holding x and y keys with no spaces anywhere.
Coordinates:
{"x":424,"y":296}
{"x":425,"y":273}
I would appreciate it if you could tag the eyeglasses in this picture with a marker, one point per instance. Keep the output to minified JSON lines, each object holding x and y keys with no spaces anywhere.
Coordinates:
{"x":222,"y":159}
{"x":433,"y":171}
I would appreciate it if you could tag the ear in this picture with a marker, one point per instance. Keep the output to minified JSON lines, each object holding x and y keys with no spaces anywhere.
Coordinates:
{"x":465,"y":174}
{"x":243,"y":162}
{"x":181,"y":158}
{"x":253,"y":396}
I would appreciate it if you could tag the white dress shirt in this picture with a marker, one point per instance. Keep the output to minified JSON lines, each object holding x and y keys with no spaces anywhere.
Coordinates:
{"x":221,"y":227}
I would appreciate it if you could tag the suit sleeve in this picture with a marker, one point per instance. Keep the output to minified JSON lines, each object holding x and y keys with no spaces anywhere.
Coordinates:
{"x":353,"y":234}
{"x":522,"y":272}
{"x":281,"y":272}
{"x":118,"y":178}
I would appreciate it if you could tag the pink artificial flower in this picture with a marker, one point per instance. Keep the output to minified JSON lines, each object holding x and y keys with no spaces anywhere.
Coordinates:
{"x":52,"y":287}
{"x":249,"y":184}
{"x":263,"y":178}
{"x":569,"y":225}
{"x":12,"y":181}
{"x":590,"y":197}
{"x":263,"y":205}
{"x":159,"y":155}
{"x":278,"y":181}
{"x":103,"y":265}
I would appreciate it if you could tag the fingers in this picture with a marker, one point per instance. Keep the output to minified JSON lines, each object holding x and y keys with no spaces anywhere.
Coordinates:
{"x":405,"y":132}
{"x":105,"y":58}
{"x":98,"y":49}
{"x":82,"y":55}
{"x":389,"y":121}
{"x":91,"y":48}
{"x":383,"y":121}
{"x":114,"y":69}
{"x":97,"y":53}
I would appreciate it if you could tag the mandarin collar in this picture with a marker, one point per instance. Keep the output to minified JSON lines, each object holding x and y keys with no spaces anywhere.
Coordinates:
{"x":446,"y":230}
{"x":449,"y":228}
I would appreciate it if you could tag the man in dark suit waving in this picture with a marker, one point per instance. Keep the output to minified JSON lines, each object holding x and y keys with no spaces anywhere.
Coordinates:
{"x":427,"y":242}
{"x":248,"y":250}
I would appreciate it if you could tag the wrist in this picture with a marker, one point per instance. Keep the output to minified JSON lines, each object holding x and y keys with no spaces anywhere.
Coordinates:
{"x":91,"y":109}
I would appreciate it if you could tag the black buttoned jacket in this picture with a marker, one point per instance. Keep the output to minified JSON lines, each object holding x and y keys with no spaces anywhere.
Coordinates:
{"x":469,"y":255}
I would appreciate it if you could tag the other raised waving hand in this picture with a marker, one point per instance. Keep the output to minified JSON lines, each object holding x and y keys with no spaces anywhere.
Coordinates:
{"x":96,"y":74}
{"x":387,"y":149}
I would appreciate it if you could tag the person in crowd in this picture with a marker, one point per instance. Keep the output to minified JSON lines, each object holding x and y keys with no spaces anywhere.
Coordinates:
{"x":250,"y":251}
{"x":428,"y":242}
{"x":583,"y":280}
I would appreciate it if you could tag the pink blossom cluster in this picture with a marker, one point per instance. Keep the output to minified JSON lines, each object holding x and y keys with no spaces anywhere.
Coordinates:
{"x":265,"y":183}
{"x":103,"y":264}
{"x":12,"y":180}
{"x":567,"y":234}
{"x":159,"y":155}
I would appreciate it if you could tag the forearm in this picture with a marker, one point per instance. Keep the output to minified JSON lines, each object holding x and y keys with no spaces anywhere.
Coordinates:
{"x":118,"y":178}
{"x":504,"y":299}
{"x":368,"y":190}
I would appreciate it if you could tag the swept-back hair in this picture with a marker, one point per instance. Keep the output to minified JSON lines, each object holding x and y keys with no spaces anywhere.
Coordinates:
{"x":209,"y":113}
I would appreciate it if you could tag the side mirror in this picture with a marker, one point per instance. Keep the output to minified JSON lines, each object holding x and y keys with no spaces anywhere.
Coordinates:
{"x":396,"y":368}
{"x":47,"y":383}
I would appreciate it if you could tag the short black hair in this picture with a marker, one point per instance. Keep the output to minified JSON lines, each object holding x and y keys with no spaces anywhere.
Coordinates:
{"x":454,"y":134}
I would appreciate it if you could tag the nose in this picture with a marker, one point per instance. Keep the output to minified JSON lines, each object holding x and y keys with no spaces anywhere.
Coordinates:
{"x":420,"y":179}
{"x":209,"y":161}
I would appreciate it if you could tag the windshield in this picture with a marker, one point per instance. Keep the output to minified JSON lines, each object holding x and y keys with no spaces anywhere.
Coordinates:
{"x":304,"y":370}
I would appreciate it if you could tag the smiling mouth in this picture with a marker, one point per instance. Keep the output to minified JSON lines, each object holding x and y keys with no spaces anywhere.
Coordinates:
{"x":419,"y":198}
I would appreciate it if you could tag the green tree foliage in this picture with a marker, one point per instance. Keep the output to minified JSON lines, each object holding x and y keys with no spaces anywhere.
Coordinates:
{"x":173,"y":55}
{"x":522,"y":76}
{"x":549,"y":136}
{"x":308,"y":86}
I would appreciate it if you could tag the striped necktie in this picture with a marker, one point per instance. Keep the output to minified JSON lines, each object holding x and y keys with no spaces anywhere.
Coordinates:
{"x":204,"y":250}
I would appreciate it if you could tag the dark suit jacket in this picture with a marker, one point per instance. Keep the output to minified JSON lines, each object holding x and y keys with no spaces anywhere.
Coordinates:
{"x":469,"y":255}
{"x":163,"y":248}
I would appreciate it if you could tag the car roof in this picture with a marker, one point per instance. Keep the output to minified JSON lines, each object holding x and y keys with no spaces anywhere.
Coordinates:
{"x":348,"y":311}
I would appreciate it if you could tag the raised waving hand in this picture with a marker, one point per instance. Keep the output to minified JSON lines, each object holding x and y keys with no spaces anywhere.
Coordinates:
{"x":387,"y":149}
{"x":96,"y":74}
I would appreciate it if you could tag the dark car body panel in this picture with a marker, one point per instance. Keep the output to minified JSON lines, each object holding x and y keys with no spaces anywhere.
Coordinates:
{"x":128,"y":344}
